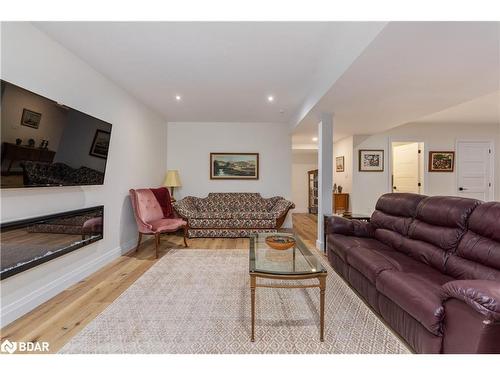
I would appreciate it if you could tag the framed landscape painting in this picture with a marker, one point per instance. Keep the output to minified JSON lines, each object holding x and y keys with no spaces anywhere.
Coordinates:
{"x":234,"y":166}
{"x":371,"y":160}
{"x":339,"y":164}
{"x":441,"y":161}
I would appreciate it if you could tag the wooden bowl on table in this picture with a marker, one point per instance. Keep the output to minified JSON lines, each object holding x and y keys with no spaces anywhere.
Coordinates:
{"x":280,"y":242}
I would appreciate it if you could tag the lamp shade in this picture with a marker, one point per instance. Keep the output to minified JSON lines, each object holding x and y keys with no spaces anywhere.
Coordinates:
{"x":172,"y":179}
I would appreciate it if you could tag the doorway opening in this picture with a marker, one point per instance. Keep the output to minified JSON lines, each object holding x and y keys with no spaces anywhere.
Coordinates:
{"x":407,"y":167}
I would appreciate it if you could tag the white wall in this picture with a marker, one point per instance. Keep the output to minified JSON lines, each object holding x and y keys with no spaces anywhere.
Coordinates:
{"x":302,"y":162}
{"x":344,"y":148}
{"x":136,"y":159}
{"x":368,"y":186}
{"x":189,"y":146}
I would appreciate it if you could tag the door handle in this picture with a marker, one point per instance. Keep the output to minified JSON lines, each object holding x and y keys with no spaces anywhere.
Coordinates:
{"x":462,"y":189}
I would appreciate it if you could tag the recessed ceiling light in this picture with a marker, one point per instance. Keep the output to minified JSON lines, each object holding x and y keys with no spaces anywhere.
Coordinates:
{"x":270,"y":98}
{"x":315,"y":139}
{"x":178,"y":98}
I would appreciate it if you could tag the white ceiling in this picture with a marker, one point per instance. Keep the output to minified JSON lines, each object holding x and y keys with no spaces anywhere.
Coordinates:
{"x":224,"y":71}
{"x":372,"y":75}
{"x":409,"y":71}
{"x":483,"y":110}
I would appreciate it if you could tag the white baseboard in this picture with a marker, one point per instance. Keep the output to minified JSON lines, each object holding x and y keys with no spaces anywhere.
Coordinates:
{"x":28,"y":302}
{"x":319,"y":245}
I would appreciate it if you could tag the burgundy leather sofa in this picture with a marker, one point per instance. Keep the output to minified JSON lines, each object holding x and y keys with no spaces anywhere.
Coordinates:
{"x":429,"y":266}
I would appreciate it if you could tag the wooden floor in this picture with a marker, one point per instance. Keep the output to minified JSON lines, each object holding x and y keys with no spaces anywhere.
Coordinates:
{"x":62,"y":317}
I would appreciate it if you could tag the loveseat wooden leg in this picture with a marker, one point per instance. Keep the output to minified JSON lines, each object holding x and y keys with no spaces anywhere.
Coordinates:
{"x":185,"y":235}
{"x":157,"y":242}
{"x":138,"y":242}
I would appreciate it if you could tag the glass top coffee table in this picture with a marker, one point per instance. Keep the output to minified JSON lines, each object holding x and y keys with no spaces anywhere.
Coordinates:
{"x":296,"y":263}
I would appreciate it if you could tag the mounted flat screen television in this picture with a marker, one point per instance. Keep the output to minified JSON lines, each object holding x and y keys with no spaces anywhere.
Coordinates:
{"x":45,"y":143}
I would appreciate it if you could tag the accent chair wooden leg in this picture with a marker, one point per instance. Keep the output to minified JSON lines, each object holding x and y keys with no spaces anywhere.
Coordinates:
{"x":185,"y":235}
{"x":157,"y":241}
{"x":138,"y":242}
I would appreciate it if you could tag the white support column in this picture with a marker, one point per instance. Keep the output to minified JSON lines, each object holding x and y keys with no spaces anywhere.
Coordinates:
{"x":325,"y":173}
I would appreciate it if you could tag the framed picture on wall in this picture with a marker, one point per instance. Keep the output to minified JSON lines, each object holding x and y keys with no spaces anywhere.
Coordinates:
{"x":339,"y":164}
{"x":441,"y":161}
{"x":31,"y":118}
{"x":100,"y":144}
{"x":371,"y":160}
{"x":234,"y":166}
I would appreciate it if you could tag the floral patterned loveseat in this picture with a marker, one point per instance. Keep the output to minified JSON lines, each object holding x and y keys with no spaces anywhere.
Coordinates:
{"x":232,"y":214}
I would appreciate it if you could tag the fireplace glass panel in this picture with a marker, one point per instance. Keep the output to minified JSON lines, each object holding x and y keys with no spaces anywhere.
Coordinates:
{"x":28,"y":243}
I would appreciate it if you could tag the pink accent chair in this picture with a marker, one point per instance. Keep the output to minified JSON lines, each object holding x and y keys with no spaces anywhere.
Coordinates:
{"x":150,"y":219}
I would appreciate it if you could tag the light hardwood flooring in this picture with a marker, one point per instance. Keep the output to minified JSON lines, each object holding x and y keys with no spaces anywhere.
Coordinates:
{"x":62,"y":317}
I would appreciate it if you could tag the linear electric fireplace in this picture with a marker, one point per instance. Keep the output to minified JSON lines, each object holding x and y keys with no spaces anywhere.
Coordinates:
{"x":30,"y":242}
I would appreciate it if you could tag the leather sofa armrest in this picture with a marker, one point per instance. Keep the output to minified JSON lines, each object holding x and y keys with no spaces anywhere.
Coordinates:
{"x":348,"y":227}
{"x":482,"y":295}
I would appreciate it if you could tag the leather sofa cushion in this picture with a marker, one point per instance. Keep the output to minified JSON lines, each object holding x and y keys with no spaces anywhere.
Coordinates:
{"x":425,"y":252}
{"x":450,"y":212}
{"x":393,"y":215}
{"x":399,"y":204}
{"x":390,"y":238}
{"x":461,"y":268}
{"x":485,"y":221}
{"x":341,"y":244}
{"x":368,"y":262}
{"x":398,"y":224}
{"x":445,"y":238}
{"x":478,"y":253}
{"x":419,"y":293}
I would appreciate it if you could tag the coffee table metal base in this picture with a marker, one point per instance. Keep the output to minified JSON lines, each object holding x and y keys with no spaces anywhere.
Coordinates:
{"x":321,"y":277}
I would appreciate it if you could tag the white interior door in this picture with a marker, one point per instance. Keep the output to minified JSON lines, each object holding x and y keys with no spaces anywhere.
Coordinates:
{"x":405,"y":168}
{"x":474,"y":175}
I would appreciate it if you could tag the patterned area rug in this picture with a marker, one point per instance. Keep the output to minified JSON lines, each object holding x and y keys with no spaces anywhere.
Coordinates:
{"x":198,"y":301}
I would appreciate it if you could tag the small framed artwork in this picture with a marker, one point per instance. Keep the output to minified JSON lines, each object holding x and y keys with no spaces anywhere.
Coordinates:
{"x":339,"y":164}
{"x":100,"y":144}
{"x":234,"y":166}
{"x":371,"y":160}
{"x":31,"y":118}
{"x":441,"y":161}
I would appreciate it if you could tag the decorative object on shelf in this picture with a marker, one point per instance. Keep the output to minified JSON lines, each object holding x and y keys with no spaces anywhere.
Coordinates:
{"x":339,"y":162}
{"x":31,"y":142}
{"x":280,"y":242}
{"x":335,"y":188}
{"x":339,"y":189}
{"x":234,"y":166}
{"x":441,"y":161}
{"x":100,"y":144}
{"x":44,"y":144}
{"x":172,"y":180}
{"x":312,"y":181}
{"x":371,"y":160}
{"x":18,"y":141}
{"x":31,"y":118}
